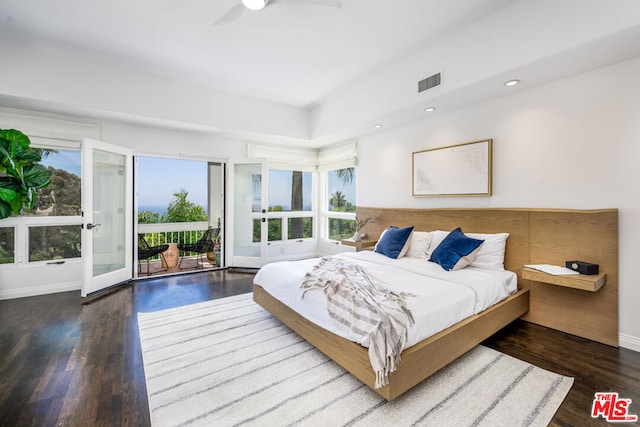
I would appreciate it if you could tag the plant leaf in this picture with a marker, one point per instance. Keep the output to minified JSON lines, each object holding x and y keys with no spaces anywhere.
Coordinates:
{"x":21,"y":172}
{"x":5,"y":209}
{"x":10,"y":183}
{"x":15,"y":135}
{"x":36,"y":176}
{"x":16,"y":204}
{"x":8,"y":195}
{"x":6,"y":157}
{"x":28,"y":156}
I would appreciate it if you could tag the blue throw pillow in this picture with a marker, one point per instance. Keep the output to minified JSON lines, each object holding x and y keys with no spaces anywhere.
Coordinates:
{"x":456,"y":251}
{"x":394,"y":241}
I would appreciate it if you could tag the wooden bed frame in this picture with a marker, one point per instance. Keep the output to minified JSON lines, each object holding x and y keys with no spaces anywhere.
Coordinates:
{"x":428,"y":356}
{"x":419,"y":361}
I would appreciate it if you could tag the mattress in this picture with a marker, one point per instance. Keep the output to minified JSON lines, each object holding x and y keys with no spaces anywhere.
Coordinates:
{"x":439,"y":298}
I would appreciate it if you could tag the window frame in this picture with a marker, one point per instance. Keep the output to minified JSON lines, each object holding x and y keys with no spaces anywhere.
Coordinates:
{"x":284,"y":216}
{"x":22,"y":223}
{"x":325,"y":213}
{"x":14,"y":243}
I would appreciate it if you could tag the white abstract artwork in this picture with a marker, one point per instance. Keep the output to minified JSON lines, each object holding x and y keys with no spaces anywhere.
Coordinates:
{"x":456,"y":170}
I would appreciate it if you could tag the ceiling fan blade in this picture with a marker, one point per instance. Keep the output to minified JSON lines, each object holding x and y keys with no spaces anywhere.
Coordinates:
{"x":230,"y":15}
{"x":331,"y":3}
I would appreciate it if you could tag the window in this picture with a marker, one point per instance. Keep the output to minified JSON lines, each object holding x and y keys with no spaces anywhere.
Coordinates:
{"x":7,"y":245}
{"x":62,"y":197}
{"x":341,"y":203}
{"x":58,"y":203}
{"x":290,"y":215}
{"x":54,"y":242}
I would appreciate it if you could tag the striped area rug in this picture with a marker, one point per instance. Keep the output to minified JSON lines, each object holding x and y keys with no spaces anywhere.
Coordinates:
{"x":228,"y":362}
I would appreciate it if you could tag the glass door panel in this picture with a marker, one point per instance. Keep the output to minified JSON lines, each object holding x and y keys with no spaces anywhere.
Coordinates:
{"x":108,"y":192}
{"x":248,"y":184}
{"x":107,"y":209}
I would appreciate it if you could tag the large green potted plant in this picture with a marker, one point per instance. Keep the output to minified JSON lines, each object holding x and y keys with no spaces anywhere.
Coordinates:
{"x":20,"y":173}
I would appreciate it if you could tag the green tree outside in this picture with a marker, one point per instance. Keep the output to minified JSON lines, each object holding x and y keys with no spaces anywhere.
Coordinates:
{"x":180,"y":209}
{"x":342,"y":228}
{"x":148,"y":217}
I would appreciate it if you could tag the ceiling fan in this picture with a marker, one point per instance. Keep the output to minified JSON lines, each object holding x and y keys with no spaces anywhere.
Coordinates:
{"x":236,"y":11}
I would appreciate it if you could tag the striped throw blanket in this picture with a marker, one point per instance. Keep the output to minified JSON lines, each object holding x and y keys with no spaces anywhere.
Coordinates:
{"x":361,"y":304}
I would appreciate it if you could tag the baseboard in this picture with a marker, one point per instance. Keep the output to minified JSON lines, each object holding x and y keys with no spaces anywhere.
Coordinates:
{"x":629,"y":342}
{"x":39,"y":290}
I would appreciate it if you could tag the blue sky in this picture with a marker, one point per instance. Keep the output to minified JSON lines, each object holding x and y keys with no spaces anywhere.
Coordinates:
{"x":280,"y":188}
{"x":158,"y":179}
{"x":336,"y":184}
{"x":68,"y":160}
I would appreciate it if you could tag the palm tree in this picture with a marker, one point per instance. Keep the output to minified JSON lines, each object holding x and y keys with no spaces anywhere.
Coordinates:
{"x":296,"y":229}
{"x":346,"y":175}
{"x":337,"y":200}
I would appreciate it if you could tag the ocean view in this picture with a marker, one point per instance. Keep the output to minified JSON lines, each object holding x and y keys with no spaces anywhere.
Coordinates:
{"x":158,"y":209}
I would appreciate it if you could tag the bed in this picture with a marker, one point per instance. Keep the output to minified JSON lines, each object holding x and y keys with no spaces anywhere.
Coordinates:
{"x":536,"y":236}
{"x":467,"y":306}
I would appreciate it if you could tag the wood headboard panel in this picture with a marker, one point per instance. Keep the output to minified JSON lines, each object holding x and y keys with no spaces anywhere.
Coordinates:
{"x":537,"y":236}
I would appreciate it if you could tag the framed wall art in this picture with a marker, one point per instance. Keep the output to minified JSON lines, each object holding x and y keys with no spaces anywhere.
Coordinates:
{"x":455,"y":170}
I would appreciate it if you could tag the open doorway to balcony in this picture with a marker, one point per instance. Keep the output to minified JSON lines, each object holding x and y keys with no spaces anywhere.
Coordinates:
{"x":180,"y":208}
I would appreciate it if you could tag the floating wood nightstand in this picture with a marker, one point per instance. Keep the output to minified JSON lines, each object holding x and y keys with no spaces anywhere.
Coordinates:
{"x":583,"y":282}
{"x":361,"y":245}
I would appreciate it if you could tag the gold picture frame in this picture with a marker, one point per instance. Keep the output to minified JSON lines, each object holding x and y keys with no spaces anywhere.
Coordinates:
{"x":454,"y":170}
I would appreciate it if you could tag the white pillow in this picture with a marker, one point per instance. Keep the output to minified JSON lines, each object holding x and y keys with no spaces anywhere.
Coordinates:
{"x":420,"y":242}
{"x":491,"y":255}
{"x":437,"y":238}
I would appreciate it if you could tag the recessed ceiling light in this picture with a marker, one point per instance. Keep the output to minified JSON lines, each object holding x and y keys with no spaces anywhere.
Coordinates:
{"x":430,"y":109}
{"x":255,"y":4}
{"x":377,"y":126}
{"x":511,"y":83}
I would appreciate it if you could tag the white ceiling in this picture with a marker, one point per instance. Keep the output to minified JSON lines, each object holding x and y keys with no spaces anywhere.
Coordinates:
{"x":290,"y":52}
{"x":326,"y":73}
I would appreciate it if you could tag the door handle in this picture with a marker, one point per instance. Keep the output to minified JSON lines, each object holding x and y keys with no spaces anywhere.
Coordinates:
{"x":90,"y":226}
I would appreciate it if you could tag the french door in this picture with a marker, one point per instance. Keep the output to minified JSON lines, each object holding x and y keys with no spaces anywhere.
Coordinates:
{"x":248,"y":204}
{"x":107,"y":207}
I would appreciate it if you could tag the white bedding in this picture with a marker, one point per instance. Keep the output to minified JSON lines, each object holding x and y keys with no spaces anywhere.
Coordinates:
{"x":442,"y":298}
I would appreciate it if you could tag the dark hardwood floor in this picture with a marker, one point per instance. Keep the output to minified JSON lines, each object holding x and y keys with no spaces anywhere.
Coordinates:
{"x":65,"y":363}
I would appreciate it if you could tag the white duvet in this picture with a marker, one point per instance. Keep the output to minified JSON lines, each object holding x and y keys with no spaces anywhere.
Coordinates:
{"x":441,"y":299}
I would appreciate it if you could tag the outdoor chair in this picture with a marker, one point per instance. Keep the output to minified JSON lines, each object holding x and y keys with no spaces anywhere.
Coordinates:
{"x":202,"y":246}
{"x":145,"y":252}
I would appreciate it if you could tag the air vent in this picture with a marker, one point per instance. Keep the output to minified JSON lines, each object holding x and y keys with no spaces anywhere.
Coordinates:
{"x":429,"y":82}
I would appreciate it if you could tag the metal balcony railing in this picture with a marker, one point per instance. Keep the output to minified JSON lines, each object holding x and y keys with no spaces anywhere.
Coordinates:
{"x":172,"y":232}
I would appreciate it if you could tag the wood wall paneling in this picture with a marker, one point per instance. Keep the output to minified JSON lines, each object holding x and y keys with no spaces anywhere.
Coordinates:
{"x":537,"y":236}
{"x":592,"y":236}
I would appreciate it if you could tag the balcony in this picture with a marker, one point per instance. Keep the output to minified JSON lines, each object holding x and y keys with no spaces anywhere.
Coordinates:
{"x":175,"y":232}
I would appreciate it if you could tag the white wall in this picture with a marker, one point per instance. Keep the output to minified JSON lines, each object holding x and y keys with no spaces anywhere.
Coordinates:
{"x":150,"y":140}
{"x":80,"y":84}
{"x":574,"y":143}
